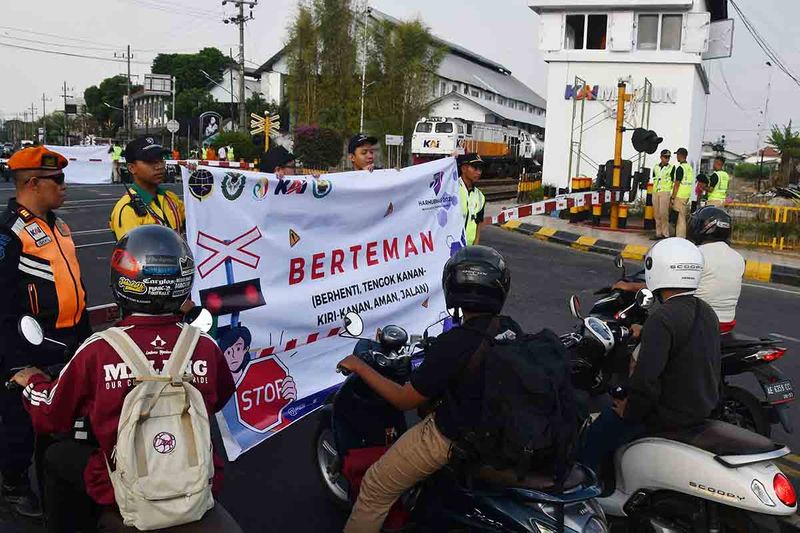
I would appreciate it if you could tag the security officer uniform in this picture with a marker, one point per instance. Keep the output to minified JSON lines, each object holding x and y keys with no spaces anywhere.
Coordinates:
{"x":39,"y":276}
{"x":138,"y":207}
{"x":719,"y":182}
{"x":684,"y":174}
{"x":471,"y":200}
{"x":662,"y":191}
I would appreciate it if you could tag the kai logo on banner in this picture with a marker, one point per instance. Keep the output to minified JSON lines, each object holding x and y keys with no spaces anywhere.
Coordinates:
{"x":320,"y":187}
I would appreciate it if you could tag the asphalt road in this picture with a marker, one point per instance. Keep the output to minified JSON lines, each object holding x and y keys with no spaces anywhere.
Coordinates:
{"x":274,"y":487}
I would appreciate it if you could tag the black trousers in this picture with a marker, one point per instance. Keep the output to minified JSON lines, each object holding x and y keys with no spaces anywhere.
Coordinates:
{"x":68,"y":508}
{"x":16,"y":437}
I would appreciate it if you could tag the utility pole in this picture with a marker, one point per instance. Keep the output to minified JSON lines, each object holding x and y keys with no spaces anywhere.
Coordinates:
{"x":764,"y":122}
{"x":44,"y":118}
{"x":240,"y":19}
{"x":127,"y":106}
{"x":233,"y":113}
{"x":173,"y":110}
{"x":66,"y":131}
{"x":367,"y":11}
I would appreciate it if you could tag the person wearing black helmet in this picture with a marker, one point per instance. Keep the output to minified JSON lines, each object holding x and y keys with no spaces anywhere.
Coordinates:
{"x":279,"y":161}
{"x":721,"y":282}
{"x":476,"y":281}
{"x":152,"y":271}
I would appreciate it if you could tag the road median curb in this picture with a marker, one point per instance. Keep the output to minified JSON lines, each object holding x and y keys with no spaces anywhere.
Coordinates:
{"x":755,"y":270}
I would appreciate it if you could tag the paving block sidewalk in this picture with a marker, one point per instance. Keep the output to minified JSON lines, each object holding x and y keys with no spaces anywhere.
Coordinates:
{"x":762,"y":265}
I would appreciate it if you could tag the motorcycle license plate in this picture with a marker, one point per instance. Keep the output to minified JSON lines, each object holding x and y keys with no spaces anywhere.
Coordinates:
{"x":778,"y":392}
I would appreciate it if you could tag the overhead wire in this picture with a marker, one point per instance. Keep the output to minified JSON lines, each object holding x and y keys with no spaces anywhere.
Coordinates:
{"x":70,"y":54}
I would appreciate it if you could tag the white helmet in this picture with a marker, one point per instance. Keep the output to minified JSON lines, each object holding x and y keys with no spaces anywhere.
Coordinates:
{"x":673,"y":263}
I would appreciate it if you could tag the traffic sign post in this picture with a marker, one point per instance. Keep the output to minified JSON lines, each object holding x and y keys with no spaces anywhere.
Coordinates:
{"x":268,"y":124}
{"x":173,"y":126}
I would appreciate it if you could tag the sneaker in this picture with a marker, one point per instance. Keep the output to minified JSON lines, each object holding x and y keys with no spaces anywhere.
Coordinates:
{"x":29,"y":506}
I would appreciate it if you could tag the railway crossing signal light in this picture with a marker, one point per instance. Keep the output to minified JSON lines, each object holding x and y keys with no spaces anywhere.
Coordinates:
{"x":645,"y":140}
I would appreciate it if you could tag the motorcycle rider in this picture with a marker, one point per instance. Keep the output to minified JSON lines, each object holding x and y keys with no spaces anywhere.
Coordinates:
{"x":675,"y":383}
{"x":476,"y":280}
{"x":151,"y":275}
{"x":723,"y":270}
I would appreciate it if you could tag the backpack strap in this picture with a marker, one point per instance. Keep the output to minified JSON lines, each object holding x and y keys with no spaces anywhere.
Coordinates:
{"x":182,"y":352}
{"x":128,"y":351}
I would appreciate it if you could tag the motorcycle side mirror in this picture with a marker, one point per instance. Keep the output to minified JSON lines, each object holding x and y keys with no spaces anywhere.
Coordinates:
{"x":645,"y":298}
{"x":353,"y":324}
{"x":200,"y":318}
{"x":30,"y":330}
{"x":575,"y":307}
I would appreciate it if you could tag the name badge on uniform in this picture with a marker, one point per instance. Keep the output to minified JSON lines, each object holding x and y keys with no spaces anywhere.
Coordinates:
{"x":39,"y":236}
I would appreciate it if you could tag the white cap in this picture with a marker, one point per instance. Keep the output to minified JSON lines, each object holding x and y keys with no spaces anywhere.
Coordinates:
{"x":673,"y":263}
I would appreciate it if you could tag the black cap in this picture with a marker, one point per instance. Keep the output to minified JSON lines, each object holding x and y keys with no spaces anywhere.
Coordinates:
{"x":666,"y":153}
{"x":275,"y":157}
{"x":682,"y":151}
{"x":360,"y":140}
{"x":471,"y":159}
{"x":144,"y":149}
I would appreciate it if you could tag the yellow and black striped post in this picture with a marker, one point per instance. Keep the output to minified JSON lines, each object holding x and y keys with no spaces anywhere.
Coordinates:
{"x":623,"y":216}
{"x":574,"y":211}
{"x":597,"y":213}
{"x":649,"y":215}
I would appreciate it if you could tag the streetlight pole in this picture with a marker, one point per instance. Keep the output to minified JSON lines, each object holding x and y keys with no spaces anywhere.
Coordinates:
{"x":367,"y":11}
{"x":764,"y":121}
{"x":240,"y":19}
{"x":173,"y":112}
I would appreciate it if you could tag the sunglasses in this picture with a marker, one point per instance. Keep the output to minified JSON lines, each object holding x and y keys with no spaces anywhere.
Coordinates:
{"x":58,"y":178}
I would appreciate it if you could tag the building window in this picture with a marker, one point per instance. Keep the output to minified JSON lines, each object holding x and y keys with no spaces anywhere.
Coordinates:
{"x":573,"y":37}
{"x":671,"y":27}
{"x":444,"y":88}
{"x":664,"y":29}
{"x":488,"y":96}
{"x":648,"y":32}
{"x":469,"y":129}
{"x":475,"y":93}
{"x":585,"y":32}
{"x":454,"y":88}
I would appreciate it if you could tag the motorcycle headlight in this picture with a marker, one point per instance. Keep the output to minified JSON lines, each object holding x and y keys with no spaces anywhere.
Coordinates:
{"x":595,"y":525}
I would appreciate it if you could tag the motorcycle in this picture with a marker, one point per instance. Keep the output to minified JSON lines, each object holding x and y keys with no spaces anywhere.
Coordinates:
{"x":717,"y":477}
{"x":740,"y":355}
{"x":356,"y":426}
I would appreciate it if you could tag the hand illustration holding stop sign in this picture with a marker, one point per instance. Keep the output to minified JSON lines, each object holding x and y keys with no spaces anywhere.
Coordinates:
{"x":264,"y":390}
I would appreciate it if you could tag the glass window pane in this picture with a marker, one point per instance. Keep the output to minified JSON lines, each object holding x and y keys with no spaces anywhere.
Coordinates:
{"x":671,"y":27}
{"x":444,"y":127}
{"x":424,"y":127}
{"x":573,"y":34}
{"x":648,"y":32}
{"x":596,"y":33}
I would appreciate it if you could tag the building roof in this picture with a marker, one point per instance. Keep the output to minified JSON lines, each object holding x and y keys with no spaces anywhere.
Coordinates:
{"x":515,"y":115}
{"x":459,"y":65}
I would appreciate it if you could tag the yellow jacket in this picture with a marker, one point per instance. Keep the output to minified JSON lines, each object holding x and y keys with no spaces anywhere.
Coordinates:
{"x":165,"y":205}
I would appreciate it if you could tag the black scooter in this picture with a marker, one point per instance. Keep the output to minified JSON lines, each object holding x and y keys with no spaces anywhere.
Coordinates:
{"x":357,"y":426}
{"x":740,"y":354}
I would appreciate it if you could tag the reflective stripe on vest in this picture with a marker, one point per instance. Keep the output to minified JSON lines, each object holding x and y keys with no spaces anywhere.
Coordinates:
{"x":662,"y":178}
{"x":687,"y":183}
{"x":55,"y":262}
{"x":720,"y":192}
{"x":472,"y":202}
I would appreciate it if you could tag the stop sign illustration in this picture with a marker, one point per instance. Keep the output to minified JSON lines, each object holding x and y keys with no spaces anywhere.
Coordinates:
{"x":258,"y":396}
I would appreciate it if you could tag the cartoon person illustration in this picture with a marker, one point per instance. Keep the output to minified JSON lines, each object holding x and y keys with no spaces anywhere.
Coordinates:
{"x":235,"y":345}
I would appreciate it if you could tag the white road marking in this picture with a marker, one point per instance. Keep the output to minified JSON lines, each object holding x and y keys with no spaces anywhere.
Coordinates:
{"x":95,"y":244}
{"x":90,"y":231}
{"x":784,"y":337}
{"x":796,"y":293}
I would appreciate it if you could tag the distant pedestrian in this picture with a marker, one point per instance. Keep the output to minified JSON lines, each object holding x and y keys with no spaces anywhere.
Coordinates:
{"x":682,"y":191}
{"x":663,"y":175}
{"x":116,"y":154}
{"x":362,"y":152}
{"x":231,"y":157}
{"x":471,"y":199}
{"x":222,"y":154}
{"x":718,"y":183}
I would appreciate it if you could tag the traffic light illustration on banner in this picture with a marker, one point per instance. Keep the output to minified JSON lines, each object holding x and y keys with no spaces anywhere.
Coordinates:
{"x":645,"y":140}
{"x":233,"y":298}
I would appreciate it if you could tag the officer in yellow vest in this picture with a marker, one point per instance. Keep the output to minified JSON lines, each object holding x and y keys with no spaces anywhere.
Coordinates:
{"x":145,"y":201}
{"x":39,"y":276}
{"x":116,"y":154}
{"x":470,"y":198}
{"x":663,"y":174}
{"x":682,"y":191}
{"x":718,"y":184}
{"x":229,"y":153}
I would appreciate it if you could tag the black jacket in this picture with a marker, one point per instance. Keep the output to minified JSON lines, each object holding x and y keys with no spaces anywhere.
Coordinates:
{"x":676,"y":380}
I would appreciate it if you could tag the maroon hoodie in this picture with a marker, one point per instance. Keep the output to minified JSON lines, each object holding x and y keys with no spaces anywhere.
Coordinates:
{"x":95,"y":381}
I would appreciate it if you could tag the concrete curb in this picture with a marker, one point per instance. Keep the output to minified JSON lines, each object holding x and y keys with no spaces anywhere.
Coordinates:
{"x":754,"y":270}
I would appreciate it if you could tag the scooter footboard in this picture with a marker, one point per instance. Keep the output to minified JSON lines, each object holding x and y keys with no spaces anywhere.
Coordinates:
{"x":659,"y":464}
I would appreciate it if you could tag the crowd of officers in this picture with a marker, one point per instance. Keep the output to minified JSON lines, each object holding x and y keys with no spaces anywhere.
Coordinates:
{"x":673,"y":186}
{"x":40,"y":274}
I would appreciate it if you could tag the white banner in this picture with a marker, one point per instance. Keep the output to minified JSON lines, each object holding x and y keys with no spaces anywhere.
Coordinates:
{"x":88,"y":165}
{"x":281,"y":261}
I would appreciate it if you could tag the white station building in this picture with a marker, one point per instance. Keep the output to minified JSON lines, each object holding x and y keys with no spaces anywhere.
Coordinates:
{"x":657,"y":47}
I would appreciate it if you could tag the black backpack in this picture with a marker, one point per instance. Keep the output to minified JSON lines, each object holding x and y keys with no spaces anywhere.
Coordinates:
{"x":528,"y":420}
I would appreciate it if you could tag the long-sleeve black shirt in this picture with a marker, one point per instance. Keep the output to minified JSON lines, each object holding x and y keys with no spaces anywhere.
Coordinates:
{"x":676,"y":380}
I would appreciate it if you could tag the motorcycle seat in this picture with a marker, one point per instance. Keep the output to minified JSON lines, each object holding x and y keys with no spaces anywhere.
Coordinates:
{"x":733,"y":341}
{"x":535,"y":481}
{"x":721,"y":438}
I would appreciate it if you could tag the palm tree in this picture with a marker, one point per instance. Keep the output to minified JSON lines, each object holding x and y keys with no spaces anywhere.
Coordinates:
{"x":787,"y":142}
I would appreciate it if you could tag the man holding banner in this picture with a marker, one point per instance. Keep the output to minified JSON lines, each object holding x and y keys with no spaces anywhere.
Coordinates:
{"x":362,"y":152}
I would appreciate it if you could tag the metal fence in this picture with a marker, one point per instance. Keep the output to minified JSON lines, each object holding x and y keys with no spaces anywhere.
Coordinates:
{"x":765,"y":226}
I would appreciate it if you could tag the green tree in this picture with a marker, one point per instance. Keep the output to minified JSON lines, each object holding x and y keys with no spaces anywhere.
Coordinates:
{"x":318,"y":148}
{"x":303,"y":62}
{"x":403,"y":64}
{"x":191,"y":102}
{"x":188,"y":68}
{"x":749,"y":171}
{"x":243,"y":145}
{"x":787,"y":142}
{"x":110,"y":91}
